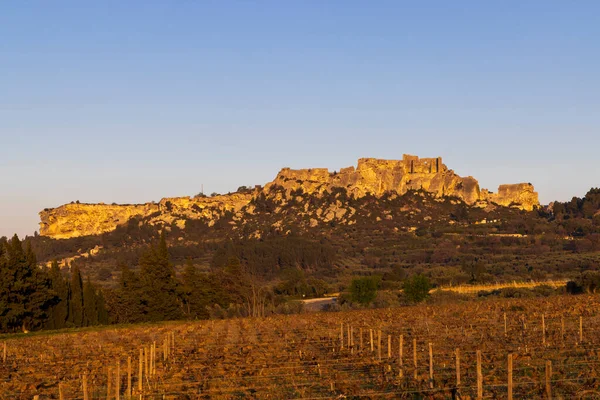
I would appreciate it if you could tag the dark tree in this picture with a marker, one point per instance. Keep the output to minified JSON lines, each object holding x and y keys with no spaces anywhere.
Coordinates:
{"x":159,"y":286}
{"x":90,"y":306}
{"x":59,"y":313}
{"x":364,"y":290}
{"x":25,"y":290}
{"x":416,"y":288}
{"x":76,"y":317}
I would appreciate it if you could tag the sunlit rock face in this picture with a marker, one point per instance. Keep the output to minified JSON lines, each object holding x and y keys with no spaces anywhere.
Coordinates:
{"x":520,"y":195}
{"x":377,"y":176}
{"x":371,"y":176}
{"x":73,"y":220}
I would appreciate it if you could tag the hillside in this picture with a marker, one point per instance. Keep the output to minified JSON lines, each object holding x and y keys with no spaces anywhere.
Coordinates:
{"x":331,"y":237}
{"x":372,"y":177}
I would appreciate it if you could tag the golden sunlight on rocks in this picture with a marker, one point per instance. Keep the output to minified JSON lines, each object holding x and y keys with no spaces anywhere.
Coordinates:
{"x":371,"y":176}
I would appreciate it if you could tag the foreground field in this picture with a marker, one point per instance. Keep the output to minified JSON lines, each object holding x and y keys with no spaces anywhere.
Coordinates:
{"x":411,"y":352}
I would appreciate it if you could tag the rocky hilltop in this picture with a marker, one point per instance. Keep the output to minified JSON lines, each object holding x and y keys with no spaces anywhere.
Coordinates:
{"x":370,"y":177}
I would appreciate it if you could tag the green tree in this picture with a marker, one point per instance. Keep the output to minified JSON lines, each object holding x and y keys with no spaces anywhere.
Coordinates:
{"x":127,"y":306}
{"x":90,"y":306}
{"x":416,"y":288}
{"x":76,"y":316}
{"x":364,"y":290}
{"x":189,"y":289}
{"x":25,"y":289}
{"x":159,"y":287}
{"x":59,"y":313}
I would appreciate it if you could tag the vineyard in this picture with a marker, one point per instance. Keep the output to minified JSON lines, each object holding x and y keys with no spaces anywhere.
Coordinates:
{"x":510,"y":348}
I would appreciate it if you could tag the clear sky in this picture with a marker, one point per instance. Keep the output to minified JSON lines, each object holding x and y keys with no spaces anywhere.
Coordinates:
{"x":131,"y":101}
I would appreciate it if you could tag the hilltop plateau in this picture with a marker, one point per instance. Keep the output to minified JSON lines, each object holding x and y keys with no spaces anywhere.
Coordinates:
{"x":371,"y":177}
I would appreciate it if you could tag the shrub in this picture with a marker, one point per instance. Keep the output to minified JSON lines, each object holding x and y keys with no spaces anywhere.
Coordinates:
{"x":386,"y":300}
{"x":416,"y":288}
{"x":364,"y":290}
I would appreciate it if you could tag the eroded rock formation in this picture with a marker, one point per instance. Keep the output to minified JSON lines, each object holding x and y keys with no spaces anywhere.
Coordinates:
{"x":371,"y":176}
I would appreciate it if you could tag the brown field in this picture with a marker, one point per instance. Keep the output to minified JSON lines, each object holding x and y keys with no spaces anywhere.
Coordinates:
{"x":303,"y":356}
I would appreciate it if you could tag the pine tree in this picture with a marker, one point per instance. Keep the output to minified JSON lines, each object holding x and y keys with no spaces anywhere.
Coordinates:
{"x":189,"y":289}
{"x":101,"y":309}
{"x":76,"y":316}
{"x":90,"y":306}
{"x":59,"y":313}
{"x":25,"y":291}
{"x":128,"y":306}
{"x":159,"y":286}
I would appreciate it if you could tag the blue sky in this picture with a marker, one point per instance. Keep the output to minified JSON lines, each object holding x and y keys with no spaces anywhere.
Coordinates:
{"x":131,"y":101}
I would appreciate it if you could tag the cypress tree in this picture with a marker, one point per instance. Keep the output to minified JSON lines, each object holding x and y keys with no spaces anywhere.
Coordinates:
{"x":25,"y":294}
{"x":59,"y":313}
{"x":5,"y":281}
{"x":128,"y":307}
{"x":90,"y":307}
{"x":159,"y":286}
{"x":101,"y":309}
{"x":76,"y":317}
{"x":189,"y":292}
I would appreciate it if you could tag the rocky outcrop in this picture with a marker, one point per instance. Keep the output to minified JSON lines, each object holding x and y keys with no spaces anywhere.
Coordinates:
{"x":376,"y":177}
{"x":74,"y":220}
{"x":520,"y":195}
{"x":371,"y":176}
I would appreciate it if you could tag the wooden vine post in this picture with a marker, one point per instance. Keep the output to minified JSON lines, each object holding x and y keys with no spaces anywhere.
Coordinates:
{"x":348,"y":338}
{"x":415,"y":357}
{"x":389,"y":346}
{"x":165,"y":349}
{"x":430,"y":366}
{"x":141,"y":372}
{"x":85,"y":387}
{"x":549,"y":379}
{"x":400,"y":351}
{"x":510,"y":377}
{"x":61,"y":395}
{"x":580,"y":329}
{"x":146,"y":362}
{"x":379,"y":345}
{"x":457,"y":352}
{"x":118,"y":382}
{"x":543,"y":330}
{"x":128,"y":376}
{"x":371,"y":340}
{"x":479,"y":376}
{"x":505,"y":326}
{"x":361,"y":340}
{"x":108,"y":383}
{"x":154,"y":360}
{"x":173,"y":343}
{"x":342,"y":336}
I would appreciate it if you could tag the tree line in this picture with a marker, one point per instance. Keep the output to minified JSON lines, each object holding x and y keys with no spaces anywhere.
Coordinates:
{"x":155,"y":293}
{"x":43,"y":298}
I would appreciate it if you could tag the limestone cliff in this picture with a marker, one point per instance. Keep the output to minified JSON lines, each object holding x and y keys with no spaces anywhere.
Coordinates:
{"x":74,"y":220}
{"x":376,"y":177}
{"x":371,"y":176}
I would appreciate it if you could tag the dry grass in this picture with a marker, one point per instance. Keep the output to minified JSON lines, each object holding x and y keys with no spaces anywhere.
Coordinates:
{"x":467,"y":289}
